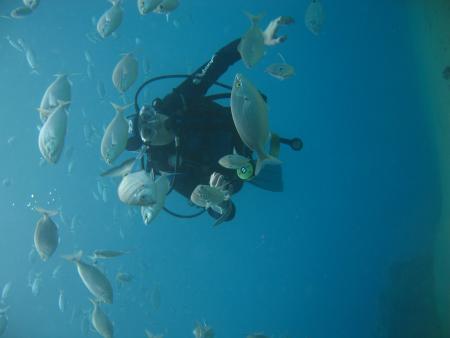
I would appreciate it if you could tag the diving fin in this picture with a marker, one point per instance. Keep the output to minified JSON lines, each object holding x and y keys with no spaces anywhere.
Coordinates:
{"x":269,"y":178}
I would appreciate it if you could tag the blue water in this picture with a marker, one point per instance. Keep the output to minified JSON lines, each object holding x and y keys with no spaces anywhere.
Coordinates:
{"x":310,"y":262}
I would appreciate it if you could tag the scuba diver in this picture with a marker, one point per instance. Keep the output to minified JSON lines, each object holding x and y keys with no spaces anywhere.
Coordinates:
{"x":187,"y":132}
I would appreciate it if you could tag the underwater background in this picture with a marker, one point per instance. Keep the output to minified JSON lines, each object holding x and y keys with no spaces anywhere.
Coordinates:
{"x":355,"y":246}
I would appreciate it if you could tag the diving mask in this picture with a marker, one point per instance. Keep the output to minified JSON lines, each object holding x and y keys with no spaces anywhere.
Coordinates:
{"x":147,"y":123}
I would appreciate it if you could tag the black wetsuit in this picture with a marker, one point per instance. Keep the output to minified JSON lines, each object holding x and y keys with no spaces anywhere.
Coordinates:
{"x":205,"y":128}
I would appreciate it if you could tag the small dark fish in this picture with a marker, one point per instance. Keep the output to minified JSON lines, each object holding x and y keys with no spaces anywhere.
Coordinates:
{"x":121,"y":170}
{"x":446,"y":73}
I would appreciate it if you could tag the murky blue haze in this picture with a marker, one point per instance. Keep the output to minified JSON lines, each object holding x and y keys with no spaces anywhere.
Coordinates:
{"x":310,"y":262}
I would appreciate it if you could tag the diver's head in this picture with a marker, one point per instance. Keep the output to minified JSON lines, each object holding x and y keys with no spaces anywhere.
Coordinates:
{"x":153,"y":124}
{"x":147,"y":123}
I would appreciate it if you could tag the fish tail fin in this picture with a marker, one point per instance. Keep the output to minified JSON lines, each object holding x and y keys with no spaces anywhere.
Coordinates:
{"x":263,"y":160}
{"x":49,"y":213}
{"x":120,"y":109}
{"x":75,"y":257}
{"x":5,"y":309}
{"x":44,"y":112}
{"x":254,"y":19}
{"x":35,"y":72}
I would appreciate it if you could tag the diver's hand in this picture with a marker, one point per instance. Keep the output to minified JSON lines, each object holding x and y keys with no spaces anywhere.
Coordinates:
{"x":217,"y":180}
{"x":270,"y":34}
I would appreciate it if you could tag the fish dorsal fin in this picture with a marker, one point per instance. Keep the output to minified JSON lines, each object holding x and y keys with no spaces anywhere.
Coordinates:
{"x":61,"y":75}
{"x":120,"y":109}
{"x":115,"y":2}
{"x":254,"y":19}
{"x":43,"y":111}
{"x":49,"y":213}
{"x":282,"y":57}
{"x":127,"y":54}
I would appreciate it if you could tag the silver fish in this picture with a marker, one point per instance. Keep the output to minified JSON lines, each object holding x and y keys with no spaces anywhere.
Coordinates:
{"x":233,"y":161}
{"x":5,"y":292}
{"x":123,"y":277}
{"x":52,"y":134}
{"x":250,"y":116}
{"x":16,"y":45}
{"x":167,"y":6}
{"x":70,"y":167}
{"x":36,"y":285}
{"x":88,"y":57}
{"x":55,"y":271}
{"x":146,"y":66}
{"x":90,"y":71}
{"x":104,"y":196}
{"x":61,"y":301}
{"x":315,"y":17}
{"x":115,"y":139}
{"x":150,"y":212}
{"x":21,"y":12}
{"x":137,"y":188}
{"x":31,"y":59}
{"x":101,"y":322}
{"x":202,"y":330}
{"x":94,"y":280}
{"x":6,"y":182}
{"x":125,"y":73}
{"x":147,"y":6}
{"x":252,"y":47}
{"x":106,"y":254}
{"x":121,"y":170}
{"x":59,"y":91}
{"x":94,"y":194}
{"x":110,"y":20}
{"x":281,"y":71}
{"x":32,"y":4}
{"x":101,"y":91}
{"x":46,"y":234}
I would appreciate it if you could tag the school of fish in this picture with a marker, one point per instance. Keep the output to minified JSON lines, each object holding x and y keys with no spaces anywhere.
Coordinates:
{"x":139,"y":189}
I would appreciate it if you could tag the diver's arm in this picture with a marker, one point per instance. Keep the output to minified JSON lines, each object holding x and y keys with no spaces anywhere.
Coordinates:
{"x":198,"y":84}
{"x":205,"y":76}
